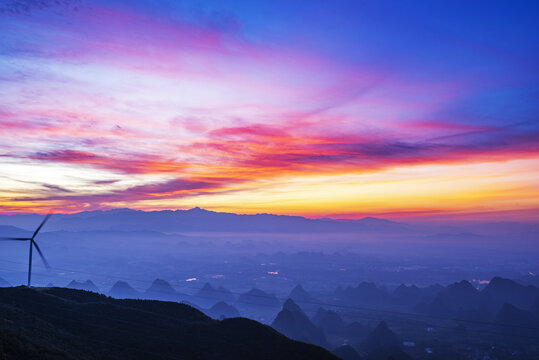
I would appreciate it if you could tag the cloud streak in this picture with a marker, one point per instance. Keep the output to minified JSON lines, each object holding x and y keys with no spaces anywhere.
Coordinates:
{"x":176,"y":103}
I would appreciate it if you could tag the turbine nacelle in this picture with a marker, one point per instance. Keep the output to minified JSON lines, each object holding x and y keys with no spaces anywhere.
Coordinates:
{"x":32,"y":245}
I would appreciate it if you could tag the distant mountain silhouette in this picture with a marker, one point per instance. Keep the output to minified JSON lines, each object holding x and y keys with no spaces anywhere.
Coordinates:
{"x":346,"y":352}
{"x":475,"y":314}
{"x":122,"y":290}
{"x":222,"y":310}
{"x":355,"y":330}
{"x":380,"y":337}
{"x":432,"y":290}
{"x":299,"y":295}
{"x":292,"y":322}
{"x":200,"y":220}
{"x":365,"y":293}
{"x":462,"y":301}
{"x":407,"y":294}
{"x":437,"y":308}
{"x":13,"y":231}
{"x":161,"y":290}
{"x":183,"y":301}
{"x":329,"y":321}
{"x":88,"y":285}
{"x":256,"y":297}
{"x":511,"y":315}
{"x":4,"y":283}
{"x":411,"y":294}
{"x":460,"y":295}
{"x":500,"y":291}
{"x":83,"y":325}
{"x":210,"y":295}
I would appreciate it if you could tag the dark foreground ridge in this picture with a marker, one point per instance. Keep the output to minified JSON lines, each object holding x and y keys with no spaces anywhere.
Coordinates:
{"x":59,"y":323}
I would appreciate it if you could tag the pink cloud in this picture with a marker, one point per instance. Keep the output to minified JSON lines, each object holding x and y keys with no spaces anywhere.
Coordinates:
{"x":131,"y":164}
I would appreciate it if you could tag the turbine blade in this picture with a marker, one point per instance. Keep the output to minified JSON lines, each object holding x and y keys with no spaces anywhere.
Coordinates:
{"x":41,"y":225}
{"x":42,"y":256}
{"x":14,"y":238}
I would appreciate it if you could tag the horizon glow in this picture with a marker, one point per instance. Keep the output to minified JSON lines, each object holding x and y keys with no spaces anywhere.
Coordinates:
{"x":311,"y":109}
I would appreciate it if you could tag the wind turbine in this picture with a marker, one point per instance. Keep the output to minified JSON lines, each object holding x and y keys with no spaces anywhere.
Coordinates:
{"x":32,"y":245}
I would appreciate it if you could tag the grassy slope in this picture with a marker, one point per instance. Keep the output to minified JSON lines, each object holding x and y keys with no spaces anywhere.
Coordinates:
{"x":58,"y":323}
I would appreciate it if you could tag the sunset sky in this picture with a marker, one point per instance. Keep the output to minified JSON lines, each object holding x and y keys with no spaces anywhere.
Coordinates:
{"x":396,"y":109}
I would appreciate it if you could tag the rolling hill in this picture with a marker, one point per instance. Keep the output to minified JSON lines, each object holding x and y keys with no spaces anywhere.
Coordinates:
{"x":60,"y":323}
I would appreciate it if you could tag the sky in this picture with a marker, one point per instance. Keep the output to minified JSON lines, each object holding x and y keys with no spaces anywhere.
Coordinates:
{"x":398,"y":109}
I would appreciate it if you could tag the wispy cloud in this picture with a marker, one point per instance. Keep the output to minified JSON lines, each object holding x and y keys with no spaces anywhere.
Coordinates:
{"x":195,"y":103}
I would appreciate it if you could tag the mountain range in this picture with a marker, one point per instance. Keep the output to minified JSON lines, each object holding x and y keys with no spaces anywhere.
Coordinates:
{"x":504,"y":302}
{"x":460,"y":300}
{"x":201,"y":220}
{"x":209,"y":295}
{"x":60,"y":323}
{"x":294,"y":323}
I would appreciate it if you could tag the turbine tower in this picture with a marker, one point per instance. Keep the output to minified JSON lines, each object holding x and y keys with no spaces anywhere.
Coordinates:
{"x":32,"y":245}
